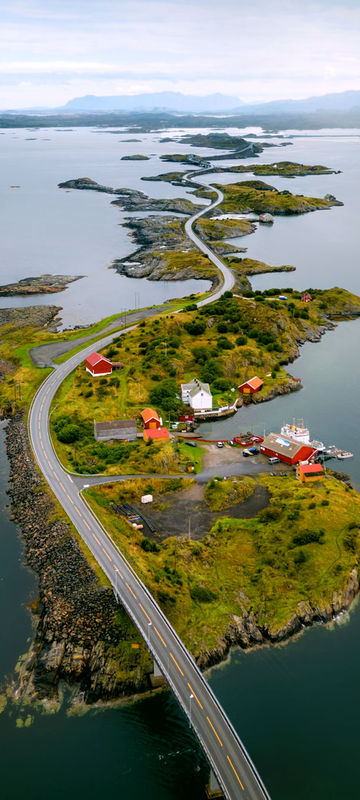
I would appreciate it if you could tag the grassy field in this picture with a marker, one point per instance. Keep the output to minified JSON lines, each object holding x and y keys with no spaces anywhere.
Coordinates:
{"x":221,"y":494}
{"x":286,"y":169}
{"x":294,"y":555}
{"x":260,"y":197}
{"x":222,"y":344}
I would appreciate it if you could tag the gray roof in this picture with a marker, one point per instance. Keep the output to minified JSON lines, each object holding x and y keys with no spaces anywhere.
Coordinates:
{"x":115,"y":429}
{"x":196,"y":386}
{"x":283,"y":445}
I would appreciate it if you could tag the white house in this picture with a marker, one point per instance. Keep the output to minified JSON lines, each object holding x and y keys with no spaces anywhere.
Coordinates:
{"x":197,"y":395}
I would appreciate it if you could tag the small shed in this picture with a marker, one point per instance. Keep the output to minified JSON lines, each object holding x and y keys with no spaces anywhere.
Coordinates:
{"x":307,"y":473}
{"x":124,"y":429}
{"x":150,"y":419}
{"x":306,"y":297}
{"x":251,"y":386}
{"x":98,"y":365}
{"x":155,"y":434}
{"x":267,"y":218}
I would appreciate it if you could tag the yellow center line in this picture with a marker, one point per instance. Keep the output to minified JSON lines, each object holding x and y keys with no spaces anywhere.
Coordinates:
{"x":88,"y":526}
{"x":214,"y":731}
{"x":96,"y":538}
{"x":79,"y":512}
{"x":62,"y":486}
{"x":196,"y":698}
{"x":144,"y":612}
{"x":106,"y":553}
{"x":160,"y":637}
{"x":118,"y":572}
{"x":69,"y":498}
{"x":176,"y":664}
{"x":234,"y":771}
{"x":130,"y":590}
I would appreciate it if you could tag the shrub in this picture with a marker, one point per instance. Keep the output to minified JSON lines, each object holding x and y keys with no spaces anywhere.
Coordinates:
{"x":241,"y":340}
{"x":195,"y":327}
{"x":201,"y":594}
{"x":308,"y":537}
{"x":190,"y":307}
{"x":224,"y":343}
{"x":68,"y":433}
{"x":148,"y":546}
{"x":222,"y":327}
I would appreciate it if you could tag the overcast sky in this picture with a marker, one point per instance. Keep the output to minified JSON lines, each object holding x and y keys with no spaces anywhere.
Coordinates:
{"x":258,"y":50}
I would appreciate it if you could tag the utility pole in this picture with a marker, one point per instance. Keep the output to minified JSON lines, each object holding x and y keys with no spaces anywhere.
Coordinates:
{"x":189,"y":529}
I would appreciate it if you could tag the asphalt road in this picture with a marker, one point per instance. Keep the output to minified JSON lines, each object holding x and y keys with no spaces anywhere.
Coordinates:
{"x":228,"y":279}
{"x":235,"y":772}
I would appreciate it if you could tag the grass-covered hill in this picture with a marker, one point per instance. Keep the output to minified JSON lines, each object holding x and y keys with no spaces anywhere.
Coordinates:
{"x":254,"y":580}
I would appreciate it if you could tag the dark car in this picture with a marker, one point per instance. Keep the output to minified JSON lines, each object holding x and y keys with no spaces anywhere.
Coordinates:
{"x":190,"y":444}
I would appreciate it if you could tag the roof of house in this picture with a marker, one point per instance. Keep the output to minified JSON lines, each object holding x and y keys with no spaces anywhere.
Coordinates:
{"x":195,"y":386}
{"x":94,"y":359}
{"x":285,"y":447}
{"x":149,"y":414}
{"x":255,"y":383}
{"x":116,"y":425}
{"x":157,"y":433}
{"x":312,"y":468}
{"x":306,"y":294}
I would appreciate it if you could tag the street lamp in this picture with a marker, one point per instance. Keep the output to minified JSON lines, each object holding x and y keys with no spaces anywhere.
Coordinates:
{"x":190,"y":699}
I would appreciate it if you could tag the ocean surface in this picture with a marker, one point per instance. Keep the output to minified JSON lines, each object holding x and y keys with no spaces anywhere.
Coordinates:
{"x":295,"y":706}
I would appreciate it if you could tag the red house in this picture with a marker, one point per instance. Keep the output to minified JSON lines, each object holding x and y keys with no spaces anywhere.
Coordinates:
{"x":306,"y":297}
{"x":150,"y":419}
{"x":97,"y":364}
{"x":157,"y":434}
{"x":287,"y":450}
{"x":251,"y":386}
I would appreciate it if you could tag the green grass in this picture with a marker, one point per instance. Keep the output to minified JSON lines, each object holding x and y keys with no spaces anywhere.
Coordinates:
{"x":248,"y":566}
{"x":258,"y":197}
{"x":221,"y":494}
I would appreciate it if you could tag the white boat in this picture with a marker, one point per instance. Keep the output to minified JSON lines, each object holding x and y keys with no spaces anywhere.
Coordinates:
{"x":300,"y":434}
{"x":345,"y":454}
{"x":319,"y":446}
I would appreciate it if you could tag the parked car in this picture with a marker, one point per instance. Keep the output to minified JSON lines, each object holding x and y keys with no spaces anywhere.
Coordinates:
{"x":220,"y":444}
{"x":190,"y":444}
{"x":231,"y":443}
{"x":274,"y":460}
{"x":250,"y":451}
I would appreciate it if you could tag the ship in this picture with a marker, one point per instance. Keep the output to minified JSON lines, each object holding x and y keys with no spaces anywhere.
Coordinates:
{"x":345,"y":454}
{"x":300,"y":434}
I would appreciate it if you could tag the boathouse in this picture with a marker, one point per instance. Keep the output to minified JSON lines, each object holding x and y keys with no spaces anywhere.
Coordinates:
{"x":251,"y":386}
{"x":287,"y":450}
{"x":308,"y":473}
{"x":306,"y":297}
{"x":98,"y":365}
{"x":150,"y":418}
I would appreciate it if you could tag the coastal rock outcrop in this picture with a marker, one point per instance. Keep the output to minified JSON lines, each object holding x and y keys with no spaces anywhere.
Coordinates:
{"x":43,"y":284}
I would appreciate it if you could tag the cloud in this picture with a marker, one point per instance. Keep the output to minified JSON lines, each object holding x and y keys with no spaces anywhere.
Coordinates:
{"x":257,"y":50}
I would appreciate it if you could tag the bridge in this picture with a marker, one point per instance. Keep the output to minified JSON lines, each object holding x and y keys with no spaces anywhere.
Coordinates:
{"x":225,"y":752}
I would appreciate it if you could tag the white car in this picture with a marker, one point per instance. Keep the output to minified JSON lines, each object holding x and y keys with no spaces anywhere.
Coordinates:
{"x":220,"y":444}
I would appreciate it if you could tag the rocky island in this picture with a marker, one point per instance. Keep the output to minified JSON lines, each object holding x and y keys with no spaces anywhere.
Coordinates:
{"x":43,"y":284}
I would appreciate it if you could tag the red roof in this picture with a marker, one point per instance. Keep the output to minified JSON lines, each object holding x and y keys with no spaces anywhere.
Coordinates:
{"x":156,"y":433}
{"x":254,"y":383}
{"x":94,"y":358}
{"x":149,"y":414}
{"x":305,"y":468}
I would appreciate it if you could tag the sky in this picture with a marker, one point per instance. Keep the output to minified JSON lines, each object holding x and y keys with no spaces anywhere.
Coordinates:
{"x":256,"y":50}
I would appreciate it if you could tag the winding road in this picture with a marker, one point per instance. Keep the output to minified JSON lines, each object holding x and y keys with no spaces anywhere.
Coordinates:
{"x":225,"y":752}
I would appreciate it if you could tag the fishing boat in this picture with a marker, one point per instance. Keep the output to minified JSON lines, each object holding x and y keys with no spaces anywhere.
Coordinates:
{"x":345,"y":454}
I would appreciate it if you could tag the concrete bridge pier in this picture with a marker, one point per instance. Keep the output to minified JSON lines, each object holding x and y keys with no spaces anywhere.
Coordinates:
{"x":213,"y":789}
{"x":156,"y":677}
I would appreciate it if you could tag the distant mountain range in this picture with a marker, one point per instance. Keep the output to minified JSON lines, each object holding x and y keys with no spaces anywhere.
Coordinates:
{"x":157,"y":101}
{"x":212,"y":103}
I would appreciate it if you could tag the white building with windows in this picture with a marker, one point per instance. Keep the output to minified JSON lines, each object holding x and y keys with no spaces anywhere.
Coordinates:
{"x":197,"y":395}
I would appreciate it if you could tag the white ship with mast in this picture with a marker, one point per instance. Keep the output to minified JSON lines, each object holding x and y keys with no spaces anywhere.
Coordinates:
{"x":299,"y":433}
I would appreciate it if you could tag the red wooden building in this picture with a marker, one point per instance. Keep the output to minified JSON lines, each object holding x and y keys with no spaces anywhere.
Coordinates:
{"x":156,"y":434}
{"x":286,"y":450}
{"x":307,"y":473}
{"x":306,"y":297}
{"x":251,"y":386}
{"x":150,"y":419}
{"x":97,"y":365}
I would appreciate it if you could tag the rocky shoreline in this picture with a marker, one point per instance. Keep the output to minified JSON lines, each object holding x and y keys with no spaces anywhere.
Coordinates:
{"x":79,"y":629}
{"x":80,"y":633}
{"x":44,"y":284}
